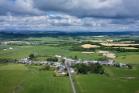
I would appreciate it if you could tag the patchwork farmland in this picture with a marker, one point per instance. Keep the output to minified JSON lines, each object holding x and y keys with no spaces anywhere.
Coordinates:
{"x":117,"y":66}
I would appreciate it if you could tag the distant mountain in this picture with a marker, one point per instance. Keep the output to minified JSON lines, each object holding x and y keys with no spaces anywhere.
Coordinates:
{"x":62,"y":33}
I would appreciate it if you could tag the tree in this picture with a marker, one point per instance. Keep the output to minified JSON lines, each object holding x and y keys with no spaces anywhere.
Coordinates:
{"x":81,"y":68}
{"x":129,"y":66}
{"x":75,"y":57}
{"x":96,"y":68}
{"x":53,"y":59}
{"x":90,"y":68}
{"x":31,"y":56}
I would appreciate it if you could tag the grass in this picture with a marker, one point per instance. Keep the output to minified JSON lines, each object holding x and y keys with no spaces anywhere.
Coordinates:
{"x":47,"y":49}
{"x":102,"y":84}
{"x":23,"y":51}
{"x":16,"y":78}
{"x":123,"y":72}
{"x":131,"y":58}
{"x":12,"y":67}
{"x":11,"y":76}
{"x":117,"y":82}
{"x":45,"y":82}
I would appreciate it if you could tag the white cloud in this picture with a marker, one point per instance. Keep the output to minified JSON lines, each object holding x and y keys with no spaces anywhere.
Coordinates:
{"x":65,"y":22}
{"x":77,"y":14}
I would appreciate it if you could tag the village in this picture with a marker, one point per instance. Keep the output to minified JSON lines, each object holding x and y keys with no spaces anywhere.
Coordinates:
{"x":60,"y":66}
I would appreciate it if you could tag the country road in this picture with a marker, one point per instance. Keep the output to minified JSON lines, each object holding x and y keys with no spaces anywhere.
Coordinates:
{"x":70,"y":77}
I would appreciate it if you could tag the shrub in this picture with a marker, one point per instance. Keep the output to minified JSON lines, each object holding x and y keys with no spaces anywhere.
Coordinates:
{"x":45,"y":67}
{"x":54,"y":59}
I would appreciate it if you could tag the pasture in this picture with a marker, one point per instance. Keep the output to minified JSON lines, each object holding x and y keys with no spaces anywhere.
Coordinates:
{"x":19,"y":52}
{"x":118,"y":80}
{"x":18,"y":78}
{"x":128,"y":57}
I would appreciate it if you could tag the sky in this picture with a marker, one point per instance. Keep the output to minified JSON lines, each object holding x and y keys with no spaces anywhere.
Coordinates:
{"x":69,"y":15}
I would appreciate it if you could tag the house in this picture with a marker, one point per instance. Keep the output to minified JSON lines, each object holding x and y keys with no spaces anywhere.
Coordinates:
{"x":57,"y":64}
{"x":10,"y":48}
{"x":25,"y":61}
{"x":123,"y":65}
{"x":72,"y":71}
{"x":109,"y":62}
{"x":59,"y":58}
{"x":61,"y":71}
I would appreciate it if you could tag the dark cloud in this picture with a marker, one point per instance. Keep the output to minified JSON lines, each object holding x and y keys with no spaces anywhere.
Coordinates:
{"x":97,"y":15}
{"x":18,"y":7}
{"x":92,"y":8}
{"x":80,"y":8}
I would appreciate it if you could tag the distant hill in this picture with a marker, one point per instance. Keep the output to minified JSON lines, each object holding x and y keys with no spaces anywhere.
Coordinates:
{"x":61,"y":33}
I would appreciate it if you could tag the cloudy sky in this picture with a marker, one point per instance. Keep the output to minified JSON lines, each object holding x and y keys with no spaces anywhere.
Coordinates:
{"x":70,"y":15}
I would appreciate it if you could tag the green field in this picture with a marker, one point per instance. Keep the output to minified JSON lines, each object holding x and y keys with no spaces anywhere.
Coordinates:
{"x":61,"y":45}
{"x":118,"y":81}
{"x":16,"y":78}
{"x":128,"y":57}
{"x":19,"y":78}
{"x":19,"y":52}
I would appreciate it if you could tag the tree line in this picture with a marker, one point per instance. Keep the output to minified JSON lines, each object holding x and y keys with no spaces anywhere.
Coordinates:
{"x":89,"y":68}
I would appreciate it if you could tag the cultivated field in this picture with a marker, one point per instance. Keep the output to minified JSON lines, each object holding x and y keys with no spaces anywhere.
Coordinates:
{"x":16,"y":78}
{"x":128,"y":57}
{"x":19,"y":52}
{"x":117,"y":80}
{"x":118,"y":44}
{"x":89,"y":46}
{"x":19,"y":78}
